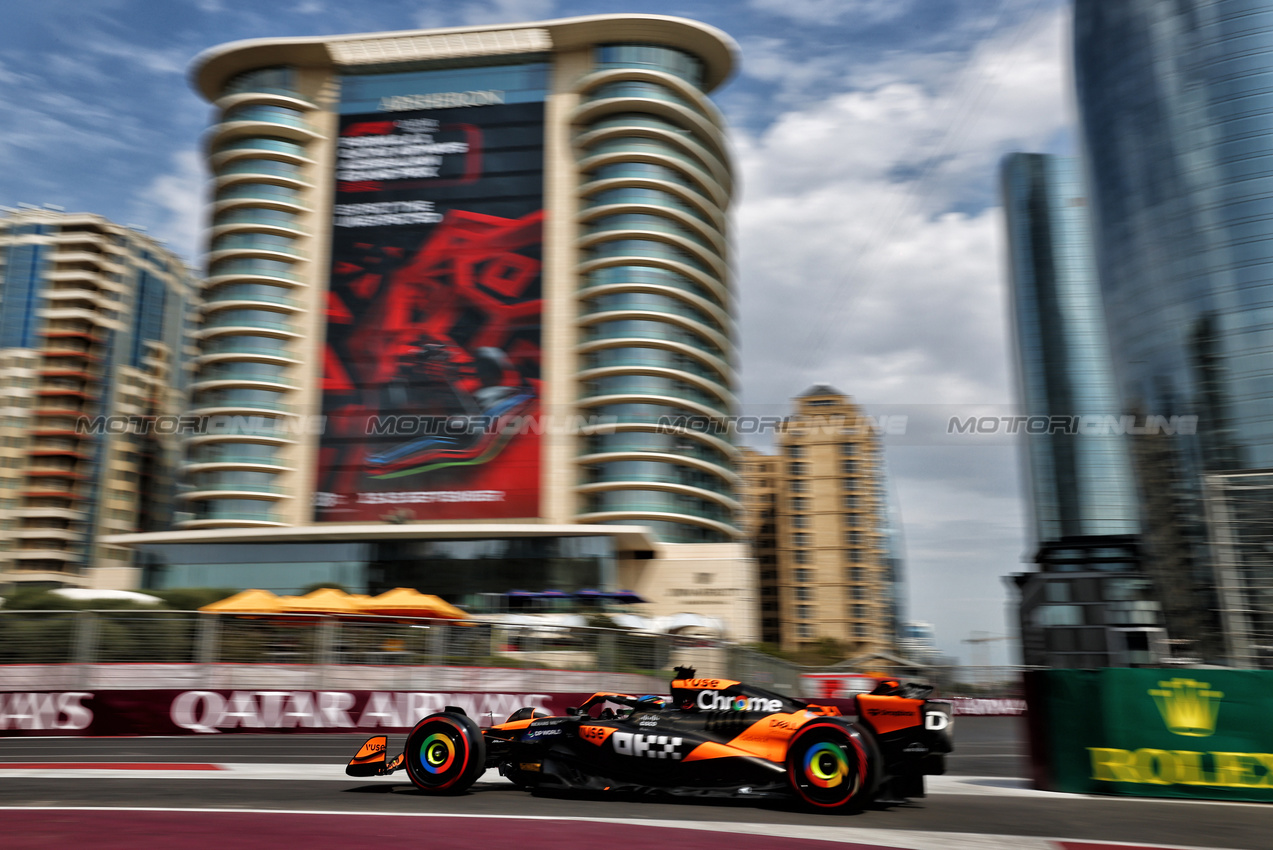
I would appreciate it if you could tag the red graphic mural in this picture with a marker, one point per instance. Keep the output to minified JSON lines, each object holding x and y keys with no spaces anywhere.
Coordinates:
{"x":431,"y":381}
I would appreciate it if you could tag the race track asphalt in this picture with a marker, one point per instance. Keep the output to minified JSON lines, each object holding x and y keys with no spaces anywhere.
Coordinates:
{"x":278,"y":785}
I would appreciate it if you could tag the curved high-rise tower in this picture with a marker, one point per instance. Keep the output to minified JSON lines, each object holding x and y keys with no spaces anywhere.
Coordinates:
{"x":469,"y":283}
{"x":610,"y":143}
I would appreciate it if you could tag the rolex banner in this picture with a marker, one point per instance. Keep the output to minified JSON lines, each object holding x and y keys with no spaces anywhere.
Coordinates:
{"x":1153,"y":733}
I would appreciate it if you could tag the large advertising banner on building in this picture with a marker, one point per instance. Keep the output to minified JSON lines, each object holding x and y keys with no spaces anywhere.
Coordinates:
{"x":431,"y":375}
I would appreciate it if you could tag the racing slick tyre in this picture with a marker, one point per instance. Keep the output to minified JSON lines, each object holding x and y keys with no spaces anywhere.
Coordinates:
{"x":828,"y":768}
{"x":445,"y":754}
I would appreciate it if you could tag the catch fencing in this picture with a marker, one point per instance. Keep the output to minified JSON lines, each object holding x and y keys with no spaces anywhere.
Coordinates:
{"x":130,"y":649}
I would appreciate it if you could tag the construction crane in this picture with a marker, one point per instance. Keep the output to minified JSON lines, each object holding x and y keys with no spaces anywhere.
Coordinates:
{"x":980,"y":651}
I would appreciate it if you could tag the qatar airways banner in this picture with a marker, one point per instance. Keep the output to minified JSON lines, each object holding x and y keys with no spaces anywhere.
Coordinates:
{"x":212,"y":712}
{"x":431,"y":373}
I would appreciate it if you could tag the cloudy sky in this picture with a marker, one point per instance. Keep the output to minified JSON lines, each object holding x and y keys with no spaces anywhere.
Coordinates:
{"x":867,"y":236}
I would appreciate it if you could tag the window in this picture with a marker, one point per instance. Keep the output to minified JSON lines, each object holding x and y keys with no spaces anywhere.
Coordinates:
{"x":850,"y":502}
{"x":802,"y":539}
{"x":853,"y":537}
{"x":801,"y":556}
{"x":1057,"y":591}
{"x":804,"y":630}
{"x":804,"y":594}
{"x":847,"y":449}
{"x":795,"y":451}
{"x":799,"y":521}
{"x":859,"y":630}
{"x":797,"y":468}
{"x":799,"y":503}
{"x":804,"y":575}
{"x":858,"y":592}
{"x":796,"y":486}
{"x":859,"y":612}
{"x":848,"y":466}
{"x":1058,"y":615}
{"x":804,"y":612}
{"x":278,"y":80}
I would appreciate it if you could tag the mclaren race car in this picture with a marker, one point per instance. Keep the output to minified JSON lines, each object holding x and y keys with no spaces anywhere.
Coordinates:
{"x":715,"y":738}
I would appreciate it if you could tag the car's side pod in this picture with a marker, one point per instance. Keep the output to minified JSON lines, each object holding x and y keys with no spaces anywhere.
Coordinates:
{"x":370,"y":759}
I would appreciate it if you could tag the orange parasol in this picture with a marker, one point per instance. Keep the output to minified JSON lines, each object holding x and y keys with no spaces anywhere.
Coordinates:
{"x":408,"y":602}
{"x":325,"y":600}
{"x":245,"y":602}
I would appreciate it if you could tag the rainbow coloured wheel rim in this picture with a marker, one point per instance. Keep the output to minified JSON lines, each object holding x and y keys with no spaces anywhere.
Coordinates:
{"x":437,"y":753}
{"x":443,"y":753}
{"x":827,"y":766}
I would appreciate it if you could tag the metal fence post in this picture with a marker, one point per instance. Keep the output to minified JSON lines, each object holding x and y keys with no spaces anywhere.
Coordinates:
{"x":207,"y":647}
{"x":85,"y":647}
{"x":325,"y":651}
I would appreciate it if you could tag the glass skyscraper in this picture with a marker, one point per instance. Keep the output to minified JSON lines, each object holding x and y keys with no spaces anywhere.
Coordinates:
{"x":1090,"y":605}
{"x":1176,"y":104}
{"x":1080,"y":483}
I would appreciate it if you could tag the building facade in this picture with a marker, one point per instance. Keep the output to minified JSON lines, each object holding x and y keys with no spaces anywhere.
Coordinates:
{"x":1177,"y":130}
{"x":93,"y":330}
{"x":817,"y":510}
{"x":1090,"y":604}
{"x":470,"y":277}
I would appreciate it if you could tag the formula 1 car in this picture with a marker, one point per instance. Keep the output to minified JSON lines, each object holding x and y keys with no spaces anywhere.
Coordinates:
{"x":716,"y":738}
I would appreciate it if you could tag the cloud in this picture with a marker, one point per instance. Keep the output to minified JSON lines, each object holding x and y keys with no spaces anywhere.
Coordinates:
{"x":169,"y":60}
{"x":480,"y":12}
{"x":172,"y":205}
{"x":868,"y":255}
{"x":873,"y":211}
{"x":825,"y":11}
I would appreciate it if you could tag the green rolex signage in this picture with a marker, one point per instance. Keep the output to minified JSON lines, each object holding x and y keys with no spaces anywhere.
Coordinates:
{"x":1154,"y":733}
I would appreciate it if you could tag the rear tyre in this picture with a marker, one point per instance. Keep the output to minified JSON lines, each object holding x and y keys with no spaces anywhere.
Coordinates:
{"x":445,"y":754}
{"x":828,"y":767}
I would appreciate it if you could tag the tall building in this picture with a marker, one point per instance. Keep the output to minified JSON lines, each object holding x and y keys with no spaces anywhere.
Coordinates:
{"x":917,"y":641}
{"x":93,"y":325}
{"x":817,"y":511}
{"x":1090,"y":604}
{"x":1177,"y":130}
{"x":468,"y":298}
{"x":762,"y":483}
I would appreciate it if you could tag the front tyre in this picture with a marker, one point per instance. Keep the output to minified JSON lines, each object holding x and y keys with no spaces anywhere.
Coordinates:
{"x":828,"y":768}
{"x":445,"y":754}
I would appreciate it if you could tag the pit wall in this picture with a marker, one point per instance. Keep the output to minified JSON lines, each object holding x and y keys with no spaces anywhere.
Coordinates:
{"x":1202,"y":734}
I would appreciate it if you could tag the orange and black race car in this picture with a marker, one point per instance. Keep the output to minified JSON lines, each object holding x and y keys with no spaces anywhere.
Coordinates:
{"x":714,"y":738}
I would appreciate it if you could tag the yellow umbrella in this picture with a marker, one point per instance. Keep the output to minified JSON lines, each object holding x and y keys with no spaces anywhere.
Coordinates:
{"x":407,"y":602}
{"x":245,"y":602}
{"x":325,"y":600}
